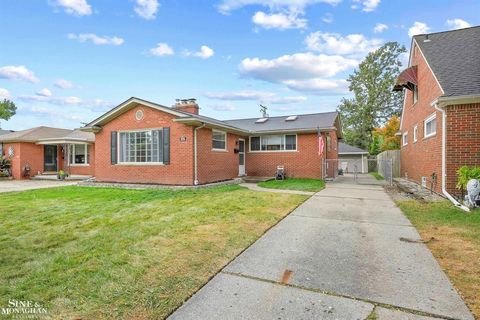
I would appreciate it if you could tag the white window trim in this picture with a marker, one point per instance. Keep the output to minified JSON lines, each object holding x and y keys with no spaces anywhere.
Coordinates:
{"x":135,"y":163}
{"x":415,"y":94}
{"x":267,"y":151}
{"x":226,"y":140}
{"x":427,"y":120}
{"x":405,"y":134}
{"x":415,"y":133}
{"x":86,"y":164}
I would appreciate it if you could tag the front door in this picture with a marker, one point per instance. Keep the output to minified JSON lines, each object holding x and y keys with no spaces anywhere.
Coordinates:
{"x":50,"y":158}
{"x":241,"y":157}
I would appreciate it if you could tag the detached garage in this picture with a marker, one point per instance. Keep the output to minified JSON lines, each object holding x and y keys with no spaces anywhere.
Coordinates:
{"x":350,"y":156}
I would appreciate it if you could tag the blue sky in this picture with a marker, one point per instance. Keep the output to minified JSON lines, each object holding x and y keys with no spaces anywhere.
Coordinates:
{"x":64,"y":62}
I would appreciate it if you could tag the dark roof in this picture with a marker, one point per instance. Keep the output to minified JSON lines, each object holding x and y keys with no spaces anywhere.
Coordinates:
{"x":346,"y":148}
{"x":43,"y":133}
{"x":5,"y":131}
{"x":303,"y":121}
{"x":454,"y":57}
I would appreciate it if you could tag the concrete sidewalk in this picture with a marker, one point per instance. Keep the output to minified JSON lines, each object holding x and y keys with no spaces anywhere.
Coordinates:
{"x":255,"y":187}
{"x":23,"y":185}
{"x":340,"y":255}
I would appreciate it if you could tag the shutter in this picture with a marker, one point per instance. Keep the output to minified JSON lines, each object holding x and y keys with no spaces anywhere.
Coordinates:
{"x":166,"y":145}
{"x":160,"y":145}
{"x":113,"y":147}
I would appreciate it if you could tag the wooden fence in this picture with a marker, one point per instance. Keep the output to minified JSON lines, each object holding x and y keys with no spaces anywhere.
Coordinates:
{"x":394,"y":155}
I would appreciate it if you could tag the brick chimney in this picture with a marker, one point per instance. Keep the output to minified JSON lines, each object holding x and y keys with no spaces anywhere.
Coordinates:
{"x":186,"y":105}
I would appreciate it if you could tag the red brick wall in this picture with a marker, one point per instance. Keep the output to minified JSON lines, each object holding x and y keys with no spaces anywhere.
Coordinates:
{"x":424,"y":157}
{"x":303,"y":163}
{"x":88,"y":170}
{"x":180,"y":169}
{"x":463,"y":141}
{"x":25,"y":152}
{"x":216,"y":165}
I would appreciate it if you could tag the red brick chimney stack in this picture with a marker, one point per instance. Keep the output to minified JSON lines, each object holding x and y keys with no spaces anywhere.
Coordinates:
{"x":186,"y":105}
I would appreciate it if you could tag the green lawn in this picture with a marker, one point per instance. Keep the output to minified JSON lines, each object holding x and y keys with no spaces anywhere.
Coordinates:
{"x":98,"y":253}
{"x":377,"y":175}
{"x":294,"y":184}
{"x":456,"y":243}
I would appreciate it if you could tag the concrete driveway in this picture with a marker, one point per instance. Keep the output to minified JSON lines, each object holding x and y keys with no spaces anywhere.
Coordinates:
{"x":22,"y":185}
{"x":346,"y":252}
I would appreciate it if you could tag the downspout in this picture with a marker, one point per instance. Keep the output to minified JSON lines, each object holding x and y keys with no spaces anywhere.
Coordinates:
{"x":195,"y":156}
{"x":444,"y":161}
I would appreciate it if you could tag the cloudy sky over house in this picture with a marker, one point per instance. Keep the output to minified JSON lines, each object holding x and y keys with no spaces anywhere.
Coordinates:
{"x":65,"y":62}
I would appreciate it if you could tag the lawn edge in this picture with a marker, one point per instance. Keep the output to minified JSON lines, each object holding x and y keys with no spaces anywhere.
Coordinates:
{"x":242,"y":251}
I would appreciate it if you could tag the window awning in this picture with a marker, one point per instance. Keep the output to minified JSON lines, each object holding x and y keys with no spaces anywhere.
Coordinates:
{"x":407,"y":79}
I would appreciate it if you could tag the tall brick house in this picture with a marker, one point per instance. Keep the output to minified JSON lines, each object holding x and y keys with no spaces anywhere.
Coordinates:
{"x":143,"y":142}
{"x":440,"y":123}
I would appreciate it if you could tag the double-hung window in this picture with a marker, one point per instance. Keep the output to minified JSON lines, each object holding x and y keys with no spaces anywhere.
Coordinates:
{"x":274,"y":143}
{"x":405,"y":138}
{"x":415,"y":94}
{"x":219,"y":140}
{"x":430,"y":126}
{"x":141,"y":146}
{"x":78,"y":154}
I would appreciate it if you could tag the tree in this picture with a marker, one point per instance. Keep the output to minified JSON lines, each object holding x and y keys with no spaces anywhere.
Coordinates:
{"x":7,"y":109}
{"x":374,"y":102}
{"x":385,"y":138}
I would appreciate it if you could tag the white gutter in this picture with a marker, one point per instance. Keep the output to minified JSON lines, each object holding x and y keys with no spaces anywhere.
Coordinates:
{"x":444,"y":160}
{"x":195,"y":157}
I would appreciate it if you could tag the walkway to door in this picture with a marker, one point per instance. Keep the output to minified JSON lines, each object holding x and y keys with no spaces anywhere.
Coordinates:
{"x":346,"y":252}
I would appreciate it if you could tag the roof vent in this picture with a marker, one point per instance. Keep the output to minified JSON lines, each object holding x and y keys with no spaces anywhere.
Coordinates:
{"x":427,"y":39}
{"x":291,"y":118}
{"x":261,"y":120}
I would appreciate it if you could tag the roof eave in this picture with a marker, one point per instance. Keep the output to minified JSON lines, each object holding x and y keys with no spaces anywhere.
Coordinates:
{"x":443,"y":101}
{"x":192,"y":121}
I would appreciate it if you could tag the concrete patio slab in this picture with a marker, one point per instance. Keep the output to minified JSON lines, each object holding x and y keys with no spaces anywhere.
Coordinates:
{"x":233,"y":297}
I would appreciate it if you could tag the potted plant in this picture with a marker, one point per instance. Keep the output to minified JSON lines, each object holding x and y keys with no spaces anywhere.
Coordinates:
{"x":61,"y":175}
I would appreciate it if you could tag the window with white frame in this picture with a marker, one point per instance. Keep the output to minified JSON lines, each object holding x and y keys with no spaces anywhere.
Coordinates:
{"x":141,"y":146}
{"x":405,"y":138}
{"x":415,"y":133}
{"x":78,"y":154}
{"x":219,"y":140}
{"x":415,"y":94}
{"x":286,"y":142}
{"x":430,"y":126}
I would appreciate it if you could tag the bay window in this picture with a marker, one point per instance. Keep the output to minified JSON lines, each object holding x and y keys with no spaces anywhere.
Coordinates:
{"x":286,"y":142}
{"x":78,"y":154}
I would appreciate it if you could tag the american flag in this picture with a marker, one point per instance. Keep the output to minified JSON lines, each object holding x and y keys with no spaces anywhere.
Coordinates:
{"x":321,"y":145}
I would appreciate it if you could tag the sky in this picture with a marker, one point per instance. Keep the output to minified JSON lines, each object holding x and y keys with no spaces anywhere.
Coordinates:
{"x":66,"y":62}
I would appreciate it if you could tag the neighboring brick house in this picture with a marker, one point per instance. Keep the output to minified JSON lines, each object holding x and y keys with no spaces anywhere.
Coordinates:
{"x":144,"y":142}
{"x":442,"y":90}
{"x":48,"y":150}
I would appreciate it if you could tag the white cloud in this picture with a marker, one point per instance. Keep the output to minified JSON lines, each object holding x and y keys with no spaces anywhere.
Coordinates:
{"x":458,"y":24}
{"x":70,"y":100}
{"x":63,"y":84}
{"x":380,"y":27}
{"x":327,"y":18}
{"x":279,"y":21}
{"x":204,"y":53}
{"x":74,"y":7}
{"x":227,"y":6}
{"x":147,"y":9}
{"x":162,"y":49}
{"x":4,"y":94}
{"x":18,"y":73}
{"x":418,"y":28}
{"x":319,"y":86}
{"x":299,"y":65}
{"x":240,"y":95}
{"x":286,"y":100}
{"x":223,"y":107}
{"x":44,"y":93}
{"x":97,"y":40}
{"x":367,"y":5}
{"x":334,"y":43}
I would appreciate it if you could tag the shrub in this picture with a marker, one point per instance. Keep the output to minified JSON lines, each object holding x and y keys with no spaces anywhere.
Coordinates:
{"x":466,"y":173}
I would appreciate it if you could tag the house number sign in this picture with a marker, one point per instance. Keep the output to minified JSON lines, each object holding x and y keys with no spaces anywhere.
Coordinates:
{"x":183,"y":139}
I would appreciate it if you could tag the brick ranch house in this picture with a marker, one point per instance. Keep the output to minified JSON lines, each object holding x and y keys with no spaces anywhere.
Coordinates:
{"x":440,"y":123}
{"x":143,"y":142}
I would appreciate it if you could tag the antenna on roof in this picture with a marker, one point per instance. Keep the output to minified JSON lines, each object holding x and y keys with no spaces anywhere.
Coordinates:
{"x":263,"y":111}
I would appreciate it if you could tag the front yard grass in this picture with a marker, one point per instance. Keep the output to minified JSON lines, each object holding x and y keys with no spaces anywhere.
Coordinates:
{"x":377,"y":176}
{"x":312,"y":185}
{"x":105,"y":253}
{"x":456,"y":243}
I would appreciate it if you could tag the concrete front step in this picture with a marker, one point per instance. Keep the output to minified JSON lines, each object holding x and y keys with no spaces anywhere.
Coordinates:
{"x":53,"y":177}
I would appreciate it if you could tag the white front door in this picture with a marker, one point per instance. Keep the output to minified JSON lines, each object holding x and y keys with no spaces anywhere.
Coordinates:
{"x":241,"y":157}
